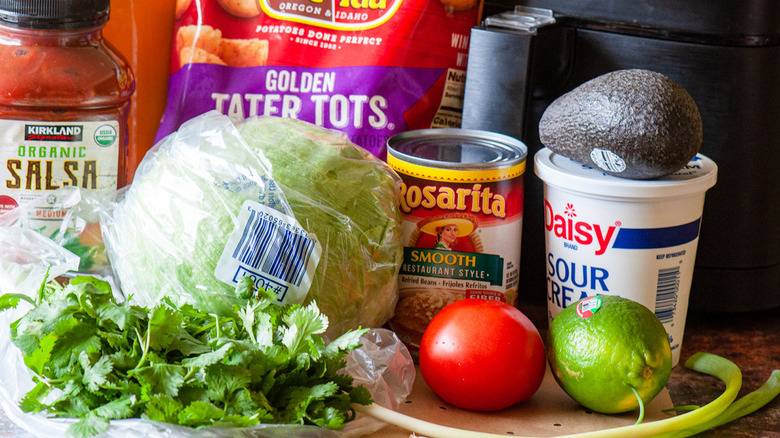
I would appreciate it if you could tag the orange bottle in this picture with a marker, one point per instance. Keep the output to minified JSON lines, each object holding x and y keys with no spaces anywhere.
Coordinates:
{"x":143,"y":30}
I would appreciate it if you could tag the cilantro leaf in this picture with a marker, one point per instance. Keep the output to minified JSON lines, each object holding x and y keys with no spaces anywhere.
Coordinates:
{"x":328,"y":417}
{"x":75,"y":336}
{"x":37,"y":360}
{"x":10,"y":301}
{"x":360,"y":395}
{"x":264,"y":333}
{"x":100,"y":286}
{"x":88,"y":426}
{"x":210,"y":358}
{"x":31,"y":402}
{"x":188,"y":345}
{"x":164,"y":326}
{"x":122,"y":316}
{"x":348,"y":341}
{"x":299,"y":398}
{"x":163,"y":408}
{"x":161,"y":378}
{"x":199,"y":413}
{"x":95,"y":375}
{"x":302,"y":324}
{"x":222,"y":384}
{"x":119,"y":408}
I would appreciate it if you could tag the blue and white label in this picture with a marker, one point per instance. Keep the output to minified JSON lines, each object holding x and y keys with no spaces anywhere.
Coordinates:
{"x":643,"y":251}
{"x":652,"y":238}
{"x":273,"y":249}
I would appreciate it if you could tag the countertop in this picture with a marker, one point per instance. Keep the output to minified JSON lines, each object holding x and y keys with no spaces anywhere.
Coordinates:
{"x":750,"y":340}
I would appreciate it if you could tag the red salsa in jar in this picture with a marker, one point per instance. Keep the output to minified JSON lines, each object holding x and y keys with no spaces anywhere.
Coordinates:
{"x":64,"y":100}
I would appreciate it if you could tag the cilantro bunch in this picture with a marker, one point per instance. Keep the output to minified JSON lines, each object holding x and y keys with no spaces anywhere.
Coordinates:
{"x":97,"y":359}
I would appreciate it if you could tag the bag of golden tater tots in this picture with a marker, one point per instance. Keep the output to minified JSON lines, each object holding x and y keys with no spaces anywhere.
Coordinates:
{"x":369,"y":68}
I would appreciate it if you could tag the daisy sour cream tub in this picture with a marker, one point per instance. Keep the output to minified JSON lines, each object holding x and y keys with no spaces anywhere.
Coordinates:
{"x":607,"y":235}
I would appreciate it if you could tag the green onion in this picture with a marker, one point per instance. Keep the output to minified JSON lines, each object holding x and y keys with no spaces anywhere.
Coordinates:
{"x":744,"y":406}
{"x":719,"y":411}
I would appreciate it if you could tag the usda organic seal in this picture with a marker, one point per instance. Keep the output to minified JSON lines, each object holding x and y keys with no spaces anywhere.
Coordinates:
{"x":105,"y":135}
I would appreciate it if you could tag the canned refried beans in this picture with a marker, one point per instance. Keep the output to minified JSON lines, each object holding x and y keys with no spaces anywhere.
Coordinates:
{"x":462,"y":210}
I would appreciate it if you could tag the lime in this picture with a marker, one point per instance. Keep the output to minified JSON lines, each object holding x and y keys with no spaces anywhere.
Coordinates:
{"x":606,"y":352}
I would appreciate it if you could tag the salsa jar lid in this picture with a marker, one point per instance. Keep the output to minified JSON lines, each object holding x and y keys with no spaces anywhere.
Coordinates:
{"x":54,"y":14}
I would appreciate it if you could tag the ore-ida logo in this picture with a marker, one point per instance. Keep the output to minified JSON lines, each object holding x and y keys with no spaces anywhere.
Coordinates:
{"x":333,"y":14}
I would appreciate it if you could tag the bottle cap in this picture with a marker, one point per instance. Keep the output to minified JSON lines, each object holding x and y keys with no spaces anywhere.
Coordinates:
{"x":54,"y":14}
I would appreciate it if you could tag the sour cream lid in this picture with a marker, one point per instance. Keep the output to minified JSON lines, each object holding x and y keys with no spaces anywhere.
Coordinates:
{"x":696,"y":177}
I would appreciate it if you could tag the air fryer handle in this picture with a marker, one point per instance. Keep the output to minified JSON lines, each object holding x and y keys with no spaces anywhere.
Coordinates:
{"x":498,"y":81}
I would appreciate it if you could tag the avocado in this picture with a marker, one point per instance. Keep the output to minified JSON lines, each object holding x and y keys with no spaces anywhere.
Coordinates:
{"x":635,"y":123}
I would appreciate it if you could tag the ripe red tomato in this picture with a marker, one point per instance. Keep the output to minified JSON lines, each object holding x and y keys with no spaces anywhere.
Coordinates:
{"x":482,"y":355}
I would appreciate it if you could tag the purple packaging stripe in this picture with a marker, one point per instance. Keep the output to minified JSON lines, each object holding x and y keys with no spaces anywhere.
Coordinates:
{"x":366,"y":102}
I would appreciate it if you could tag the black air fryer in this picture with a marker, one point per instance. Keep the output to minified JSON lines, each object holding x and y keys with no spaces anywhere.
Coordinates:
{"x":726,"y":53}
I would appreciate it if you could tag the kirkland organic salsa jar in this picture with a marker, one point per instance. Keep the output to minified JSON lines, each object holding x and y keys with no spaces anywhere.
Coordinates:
{"x":64,"y":100}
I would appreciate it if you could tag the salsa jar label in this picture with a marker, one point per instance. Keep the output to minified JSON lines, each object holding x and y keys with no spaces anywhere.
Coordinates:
{"x":461,"y":224}
{"x":40,"y":157}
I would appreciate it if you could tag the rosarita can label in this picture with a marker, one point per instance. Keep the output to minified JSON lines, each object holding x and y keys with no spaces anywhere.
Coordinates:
{"x":462,"y":207}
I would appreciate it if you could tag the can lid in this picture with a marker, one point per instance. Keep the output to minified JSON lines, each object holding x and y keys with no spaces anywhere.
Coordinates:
{"x":54,"y":14}
{"x":457,"y":148}
{"x":556,"y":170}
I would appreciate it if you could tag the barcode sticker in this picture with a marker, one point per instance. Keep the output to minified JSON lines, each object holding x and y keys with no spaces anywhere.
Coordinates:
{"x":273,"y":249}
{"x":666,"y":293}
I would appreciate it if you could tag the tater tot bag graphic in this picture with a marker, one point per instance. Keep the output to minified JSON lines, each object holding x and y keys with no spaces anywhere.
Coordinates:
{"x":369,"y":68}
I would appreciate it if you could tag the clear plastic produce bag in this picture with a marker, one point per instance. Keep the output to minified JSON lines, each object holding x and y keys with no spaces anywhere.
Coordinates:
{"x":69,"y":216}
{"x":383,"y":364}
{"x":204,"y":199}
{"x":299,"y":209}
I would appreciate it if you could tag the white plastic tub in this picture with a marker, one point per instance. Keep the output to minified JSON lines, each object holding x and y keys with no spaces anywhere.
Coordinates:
{"x":607,"y":235}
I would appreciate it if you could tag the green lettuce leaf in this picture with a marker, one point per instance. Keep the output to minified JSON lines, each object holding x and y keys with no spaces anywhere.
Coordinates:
{"x":167,"y":234}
